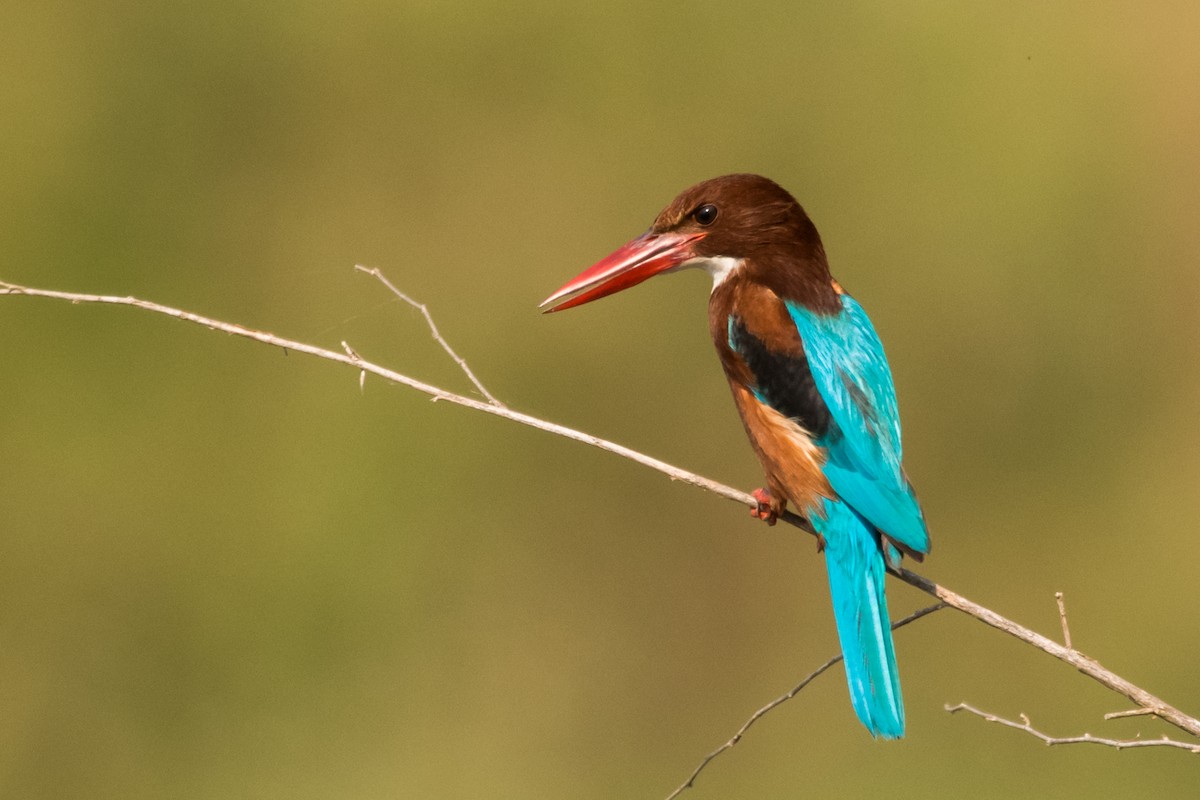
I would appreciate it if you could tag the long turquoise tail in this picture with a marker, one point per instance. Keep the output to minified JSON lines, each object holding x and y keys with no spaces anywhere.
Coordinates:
{"x":856,"y":574}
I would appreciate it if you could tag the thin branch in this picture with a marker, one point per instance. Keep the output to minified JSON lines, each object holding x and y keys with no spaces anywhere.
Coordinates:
{"x":353,"y":359}
{"x":1133,"y":712}
{"x":1088,"y":666}
{"x":1062,"y":616}
{"x":778,"y":701}
{"x":433,"y":329}
{"x":1087,"y":738}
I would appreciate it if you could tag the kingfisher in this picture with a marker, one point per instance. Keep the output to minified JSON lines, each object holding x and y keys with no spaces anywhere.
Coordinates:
{"x":814,"y":391}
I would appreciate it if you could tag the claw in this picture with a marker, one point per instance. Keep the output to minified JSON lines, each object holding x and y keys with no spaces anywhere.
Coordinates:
{"x":766,"y":507}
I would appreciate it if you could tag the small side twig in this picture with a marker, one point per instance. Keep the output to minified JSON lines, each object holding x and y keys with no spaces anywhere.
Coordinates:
{"x":1133,"y":712}
{"x":433,"y":329}
{"x":1068,"y":655}
{"x":362,"y":373}
{"x":757,"y":715}
{"x":1062,"y":616}
{"x":1026,"y":726}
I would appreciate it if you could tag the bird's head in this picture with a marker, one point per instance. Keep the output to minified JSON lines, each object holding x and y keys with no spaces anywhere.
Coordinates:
{"x":732,"y":224}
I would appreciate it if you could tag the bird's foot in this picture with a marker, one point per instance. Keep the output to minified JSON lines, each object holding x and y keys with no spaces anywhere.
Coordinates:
{"x":765,"y":510}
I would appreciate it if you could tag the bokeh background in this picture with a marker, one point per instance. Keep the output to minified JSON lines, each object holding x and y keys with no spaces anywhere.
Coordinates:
{"x":227,"y":572}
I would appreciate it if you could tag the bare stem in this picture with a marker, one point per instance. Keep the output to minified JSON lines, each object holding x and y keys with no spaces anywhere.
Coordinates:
{"x":433,"y":329}
{"x":352,"y":359}
{"x":778,"y":701}
{"x":1088,"y":666}
{"x":1133,"y":712}
{"x":1062,"y":616}
{"x":1120,"y":744}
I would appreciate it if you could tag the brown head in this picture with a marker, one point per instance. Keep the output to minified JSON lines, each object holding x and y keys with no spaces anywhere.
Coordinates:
{"x":744,"y":224}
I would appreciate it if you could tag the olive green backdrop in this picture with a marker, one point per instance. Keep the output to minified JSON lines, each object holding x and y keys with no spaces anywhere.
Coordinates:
{"x":227,"y":572}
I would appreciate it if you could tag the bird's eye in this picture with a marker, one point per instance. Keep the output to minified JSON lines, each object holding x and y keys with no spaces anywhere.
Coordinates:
{"x":706,"y":214}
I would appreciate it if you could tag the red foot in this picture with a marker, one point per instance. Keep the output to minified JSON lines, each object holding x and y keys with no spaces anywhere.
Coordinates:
{"x":765,"y":510}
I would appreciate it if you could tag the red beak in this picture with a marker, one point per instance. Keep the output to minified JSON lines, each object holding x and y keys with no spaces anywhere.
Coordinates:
{"x":643,"y":258}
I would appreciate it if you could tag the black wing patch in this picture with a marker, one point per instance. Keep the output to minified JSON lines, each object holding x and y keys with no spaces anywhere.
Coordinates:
{"x":784,"y":382}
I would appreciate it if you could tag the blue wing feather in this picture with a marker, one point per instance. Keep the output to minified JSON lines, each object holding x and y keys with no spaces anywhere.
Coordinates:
{"x":863,"y":443}
{"x":856,"y":577}
{"x":840,"y":391}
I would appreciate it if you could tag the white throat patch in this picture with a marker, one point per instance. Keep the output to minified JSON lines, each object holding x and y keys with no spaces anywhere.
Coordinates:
{"x":719,"y":267}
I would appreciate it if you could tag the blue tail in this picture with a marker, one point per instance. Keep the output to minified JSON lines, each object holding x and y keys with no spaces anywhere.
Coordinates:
{"x":856,"y":574}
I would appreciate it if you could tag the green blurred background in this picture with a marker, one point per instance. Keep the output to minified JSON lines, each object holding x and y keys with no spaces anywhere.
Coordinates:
{"x":225,"y":572}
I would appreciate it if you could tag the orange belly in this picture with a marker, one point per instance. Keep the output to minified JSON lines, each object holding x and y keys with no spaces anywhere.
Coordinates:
{"x":791,"y":460}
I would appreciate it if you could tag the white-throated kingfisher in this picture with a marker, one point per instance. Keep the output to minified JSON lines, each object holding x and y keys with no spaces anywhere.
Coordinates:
{"x":814,"y":391}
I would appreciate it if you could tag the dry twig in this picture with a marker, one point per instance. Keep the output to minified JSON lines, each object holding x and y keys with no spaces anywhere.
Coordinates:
{"x":433,"y":329}
{"x":1087,"y":738}
{"x":737,"y":737}
{"x":1133,"y":712}
{"x":1062,"y":616}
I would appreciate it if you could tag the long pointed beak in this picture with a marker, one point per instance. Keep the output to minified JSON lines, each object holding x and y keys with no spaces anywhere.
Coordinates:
{"x":629,"y":265}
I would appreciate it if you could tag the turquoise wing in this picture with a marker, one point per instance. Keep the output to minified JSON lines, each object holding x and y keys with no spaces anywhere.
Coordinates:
{"x":851,"y":374}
